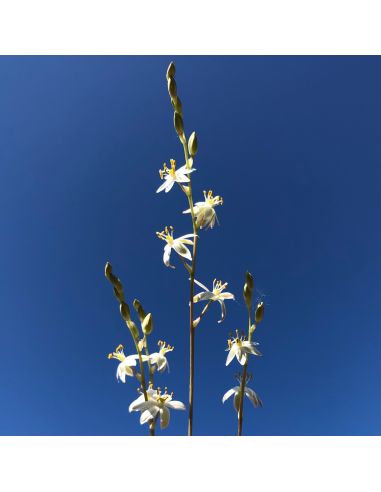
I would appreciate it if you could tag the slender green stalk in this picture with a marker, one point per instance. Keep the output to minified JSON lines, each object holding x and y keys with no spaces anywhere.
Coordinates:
{"x":243,"y":383}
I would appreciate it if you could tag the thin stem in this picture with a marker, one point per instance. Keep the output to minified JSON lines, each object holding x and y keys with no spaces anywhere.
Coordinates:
{"x":203,"y":312}
{"x":243,"y":383}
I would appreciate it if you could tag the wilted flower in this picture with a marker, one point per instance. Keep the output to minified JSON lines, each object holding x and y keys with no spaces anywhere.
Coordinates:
{"x":126,"y":363}
{"x":176,"y":243}
{"x":158,"y":403}
{"x":215,"y":295}
{"x":240,"y":348}
{"x":159,"y":358}
{"x":236,"y":391}
{"x":204,"y":211}
{"x":172,"y":176}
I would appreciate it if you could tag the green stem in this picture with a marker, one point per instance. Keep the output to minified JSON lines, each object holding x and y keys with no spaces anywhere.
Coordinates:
{"x":242,"y":389}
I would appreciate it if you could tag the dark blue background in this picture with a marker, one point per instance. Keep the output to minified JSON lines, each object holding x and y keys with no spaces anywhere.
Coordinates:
{"x":293,"y":146}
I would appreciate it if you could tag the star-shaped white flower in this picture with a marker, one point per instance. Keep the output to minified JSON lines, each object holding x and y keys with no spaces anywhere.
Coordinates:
{"x":172,"y":175}
{"x":241,"y":348}
{"x":204,"y":211}
{"x":158,"y":358}
{"x":216,"y":294}
{"x":236,"y":391}
{"x":178,"y":244}
{"x":126,"y":363}
{"x":158,"y":403}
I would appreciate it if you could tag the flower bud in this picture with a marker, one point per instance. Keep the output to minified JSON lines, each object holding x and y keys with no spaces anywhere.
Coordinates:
{"x":172,"y":88}
{"x":171,"y":70}
{"x":133,"y":329}
{"x":125,"y":311}
{"x":119,"y":294}
{"x":179,"y":125}
{"x":139,"y":309}
{"x":147,"y":324}
{"x":108,"y":270}
{"x":192,"y":144}
{"x":250,"y":280}
{"x":247,"y":295}
{"x":259,"y":312}
{"x":177,"y":106}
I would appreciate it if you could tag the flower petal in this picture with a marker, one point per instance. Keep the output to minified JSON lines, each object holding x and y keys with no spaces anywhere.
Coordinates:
{"x":201,"y":285}
{"x":228,"y":394}
{"x":231,"y":355}
{"x":167,"y":255}
{"x":176,"y":405}
{"x":223,"y":311}
{"x":203,"y":296}
{"x":182,"y":250}
{"x":170,"y":183}
{"x":164,"y":417}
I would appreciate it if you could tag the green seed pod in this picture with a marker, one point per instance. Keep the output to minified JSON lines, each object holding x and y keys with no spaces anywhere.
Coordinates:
{"x":259,"y":312}
{"x":172,"y":88}
{"x":125,"y":311}
{"x":250,"y":280}
{"x":147,"y":324}
{"x":139,"y":309}
{"x":179,"y":125}
{"x":171,"y":70}
{"x":133,"y":329}
{"x":247,"y":295}
{"x":192,"y":144}
{"x":177,"y":106}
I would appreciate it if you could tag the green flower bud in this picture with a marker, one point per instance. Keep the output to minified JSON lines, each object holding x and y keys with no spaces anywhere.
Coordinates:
{"x":139,"y":309}
{"x":179,"y":125}
{"x":192,"y":144}
{"x":108,"y":270}
{"x":125,"y":311}
{"x":250,"y":280}
{"x":172,"y":88}
{"x":147,"y":324}
{"x":119,"y":294}
{"x":133,"y":329}
{"x":259,"y":312}
{"x":171,"y":70}
{"x":247,"y":295}
{"x":177,"y":106}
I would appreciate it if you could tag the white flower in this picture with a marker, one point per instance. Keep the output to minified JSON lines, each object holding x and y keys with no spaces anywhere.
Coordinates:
{"x":241,"y":348}
{"x":159,"y":358}
{"x":157,"y":404}
{"x":126,"y":363}
{"x":178,"y":244}
{"x":236,"y":391}
{"x":215,"y":295}
{"x":204,"y":211}
{"x":172,"y":176}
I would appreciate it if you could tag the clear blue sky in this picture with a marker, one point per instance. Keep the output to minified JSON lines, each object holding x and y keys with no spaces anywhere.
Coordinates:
{"x":291,"y":143}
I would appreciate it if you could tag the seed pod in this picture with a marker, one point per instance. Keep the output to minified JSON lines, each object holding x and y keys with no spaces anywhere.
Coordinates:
{"x":133,"y":329}
{"x":125,"y":311}
{"x":192,"y":144}
{"x":139,"y":309}
{"x":250,"y":280}
{"x":179,"y":125}
{"x":171,"y":70}
{"x":172,"y":88}
{"x":147,"y":324}
{"x":247,"y":295}
{"x":259,"y":312}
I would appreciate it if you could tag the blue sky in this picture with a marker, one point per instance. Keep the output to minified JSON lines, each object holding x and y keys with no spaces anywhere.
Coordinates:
{"x":293,"y":146}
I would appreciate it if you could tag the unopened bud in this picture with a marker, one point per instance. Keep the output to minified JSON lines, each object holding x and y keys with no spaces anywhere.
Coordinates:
{"x":259,"y":312}
{"x":179,"y":125}
{"x":250,"y":280}
{"x":119,"y":294}
{"x":247,"y":295}
{"x":147,"y":324}
{"x":192,"y":144}
{"x":171,"y":70}
{"x":108,"y":270}
{"x":172,"y":88}
{"x":252,"y":329}
{"x":139,"y":309}
{"x":177,"y":106}
{"x":125,"y":311}
{"x":133,"y":328}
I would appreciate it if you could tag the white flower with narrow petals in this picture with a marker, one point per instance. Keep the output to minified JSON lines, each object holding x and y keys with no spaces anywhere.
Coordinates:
{"x":178,"y":244}
{"x":241,"y":348}
{"x":158,"y":358}
{"x":236,"y":391}
{"x":204,"y":211}
{"x":125,"y":367}
{"x":216,"y":294}
{"x":172,"y":175}
{"x":158,"y":404}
